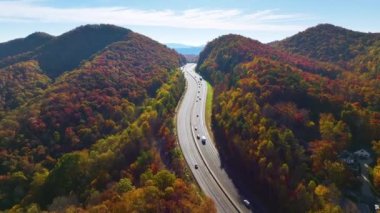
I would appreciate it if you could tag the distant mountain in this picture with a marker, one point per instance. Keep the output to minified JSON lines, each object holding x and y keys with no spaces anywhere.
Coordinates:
{"x":186,"y":49}
{"x":327,"y":42}
{"x":99,"y":135}
{"x":176,"y":45}
{"x":22,"y":45}
{"x":281,"y":120}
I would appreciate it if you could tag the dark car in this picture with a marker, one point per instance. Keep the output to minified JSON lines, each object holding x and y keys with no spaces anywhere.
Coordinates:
{"x":196,"y":166}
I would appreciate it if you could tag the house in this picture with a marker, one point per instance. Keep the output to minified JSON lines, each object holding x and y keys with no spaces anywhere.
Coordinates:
{"x":362,"y":153}
{"x":347,"y":157}
{"x":351,"y":161}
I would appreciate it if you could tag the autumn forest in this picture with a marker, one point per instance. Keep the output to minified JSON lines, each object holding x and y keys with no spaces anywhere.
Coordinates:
{"x":87,"y":121}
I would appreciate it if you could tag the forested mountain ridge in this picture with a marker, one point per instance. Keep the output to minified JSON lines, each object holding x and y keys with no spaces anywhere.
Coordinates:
{"x":100,"y":136}
{"x":22,"y":45}
{"x":239,"y":49}
{"x":329,"y":43}
{"x":284,"y":120}
{"x":65,"y":52}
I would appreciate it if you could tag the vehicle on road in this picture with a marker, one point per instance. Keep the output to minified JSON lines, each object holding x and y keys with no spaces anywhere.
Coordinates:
{"x":195,"y":128}
{"x":247,"y":203}
{"x":200,"y":78}
{"x":196,"y":166}
{"x":197,"y":116}
{"x":198,"y":137}
{"x":203,"y":140}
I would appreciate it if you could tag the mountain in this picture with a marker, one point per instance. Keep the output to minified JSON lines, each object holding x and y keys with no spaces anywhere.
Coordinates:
{"x":284,"y":120}
{"x":186,"y":49}
{"x":65,"y":52}
{"x":177,"y":45}
{"x":98,"y":136}
{"x":22,"y":45}
{"x":329,"y":43}
{"x":230,"y":50}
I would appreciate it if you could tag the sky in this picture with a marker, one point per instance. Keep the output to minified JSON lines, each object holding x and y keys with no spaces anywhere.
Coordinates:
{"x":188,"y":22}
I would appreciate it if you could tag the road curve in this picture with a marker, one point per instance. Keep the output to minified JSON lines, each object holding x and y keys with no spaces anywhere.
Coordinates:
{"x":210,"y":175}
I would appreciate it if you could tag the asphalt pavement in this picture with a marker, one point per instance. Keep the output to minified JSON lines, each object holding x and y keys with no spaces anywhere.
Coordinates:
{"x":204,"y":159}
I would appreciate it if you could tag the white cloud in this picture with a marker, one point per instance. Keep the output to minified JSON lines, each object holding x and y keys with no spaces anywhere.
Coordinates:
{"x":227,"y":19}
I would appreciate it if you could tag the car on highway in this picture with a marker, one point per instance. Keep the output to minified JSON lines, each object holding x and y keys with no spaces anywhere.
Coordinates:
{"x":200,"y":78}
{"x":195,"y":128}
{"x":247,"y":203}
{"x":197,"y":115}
{"x":203,"y":140}
{"x":196,"y":166}
{"x":198,"y":137}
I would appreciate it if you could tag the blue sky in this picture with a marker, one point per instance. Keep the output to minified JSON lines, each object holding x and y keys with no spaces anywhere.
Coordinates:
{"x":189,"y":22}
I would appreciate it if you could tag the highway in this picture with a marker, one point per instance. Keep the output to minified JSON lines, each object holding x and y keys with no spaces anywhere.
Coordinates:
{"x":210,"y":175}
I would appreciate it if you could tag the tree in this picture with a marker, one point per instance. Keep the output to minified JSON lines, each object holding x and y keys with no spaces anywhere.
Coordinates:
{"x":124,"y":185}
{"x":164,"y":179}
{"x":376,"y":175}
{"x":333,"y":130}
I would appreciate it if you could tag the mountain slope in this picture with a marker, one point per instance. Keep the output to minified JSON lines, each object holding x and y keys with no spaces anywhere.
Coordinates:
{"x":100,"y":136}
{"x":283,"y":119}
{"x":22,"y":45}
{"x":327,"y":42}
{"x":228,"y":51}
{"x":369,"y":61}
{"x":19,"y":83}
{"x":65,"y":52}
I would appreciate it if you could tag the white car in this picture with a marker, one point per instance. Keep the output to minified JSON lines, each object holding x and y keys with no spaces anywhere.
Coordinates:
{"x":203,"y":140}
{"x":247,"y":203}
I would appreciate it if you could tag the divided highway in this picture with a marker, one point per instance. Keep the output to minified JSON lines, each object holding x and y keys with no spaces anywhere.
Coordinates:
{"x":204,"y":159}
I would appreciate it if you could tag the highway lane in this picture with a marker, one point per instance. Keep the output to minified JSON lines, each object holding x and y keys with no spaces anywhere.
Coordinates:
{"x":211,"y":177}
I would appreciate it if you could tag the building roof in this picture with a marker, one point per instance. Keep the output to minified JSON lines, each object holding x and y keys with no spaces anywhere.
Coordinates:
{"x":362,"y":152}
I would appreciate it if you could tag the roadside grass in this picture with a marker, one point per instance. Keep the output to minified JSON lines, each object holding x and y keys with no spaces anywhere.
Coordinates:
{"x":210,"y":95}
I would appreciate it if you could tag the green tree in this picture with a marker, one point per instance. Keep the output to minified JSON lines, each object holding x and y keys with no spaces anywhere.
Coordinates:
{"x":124,"y":185}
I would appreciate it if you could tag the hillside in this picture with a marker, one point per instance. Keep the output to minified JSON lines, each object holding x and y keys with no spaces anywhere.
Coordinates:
{"x":100,"y":137}
{"x":369,"y":61}
{"x":329,"y":43}
{"x":19,"y":83}
{"x":23,"y":45}
{"x":65,"y":52}
{"x":231,"y":50}
{"x":284,"y":119}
